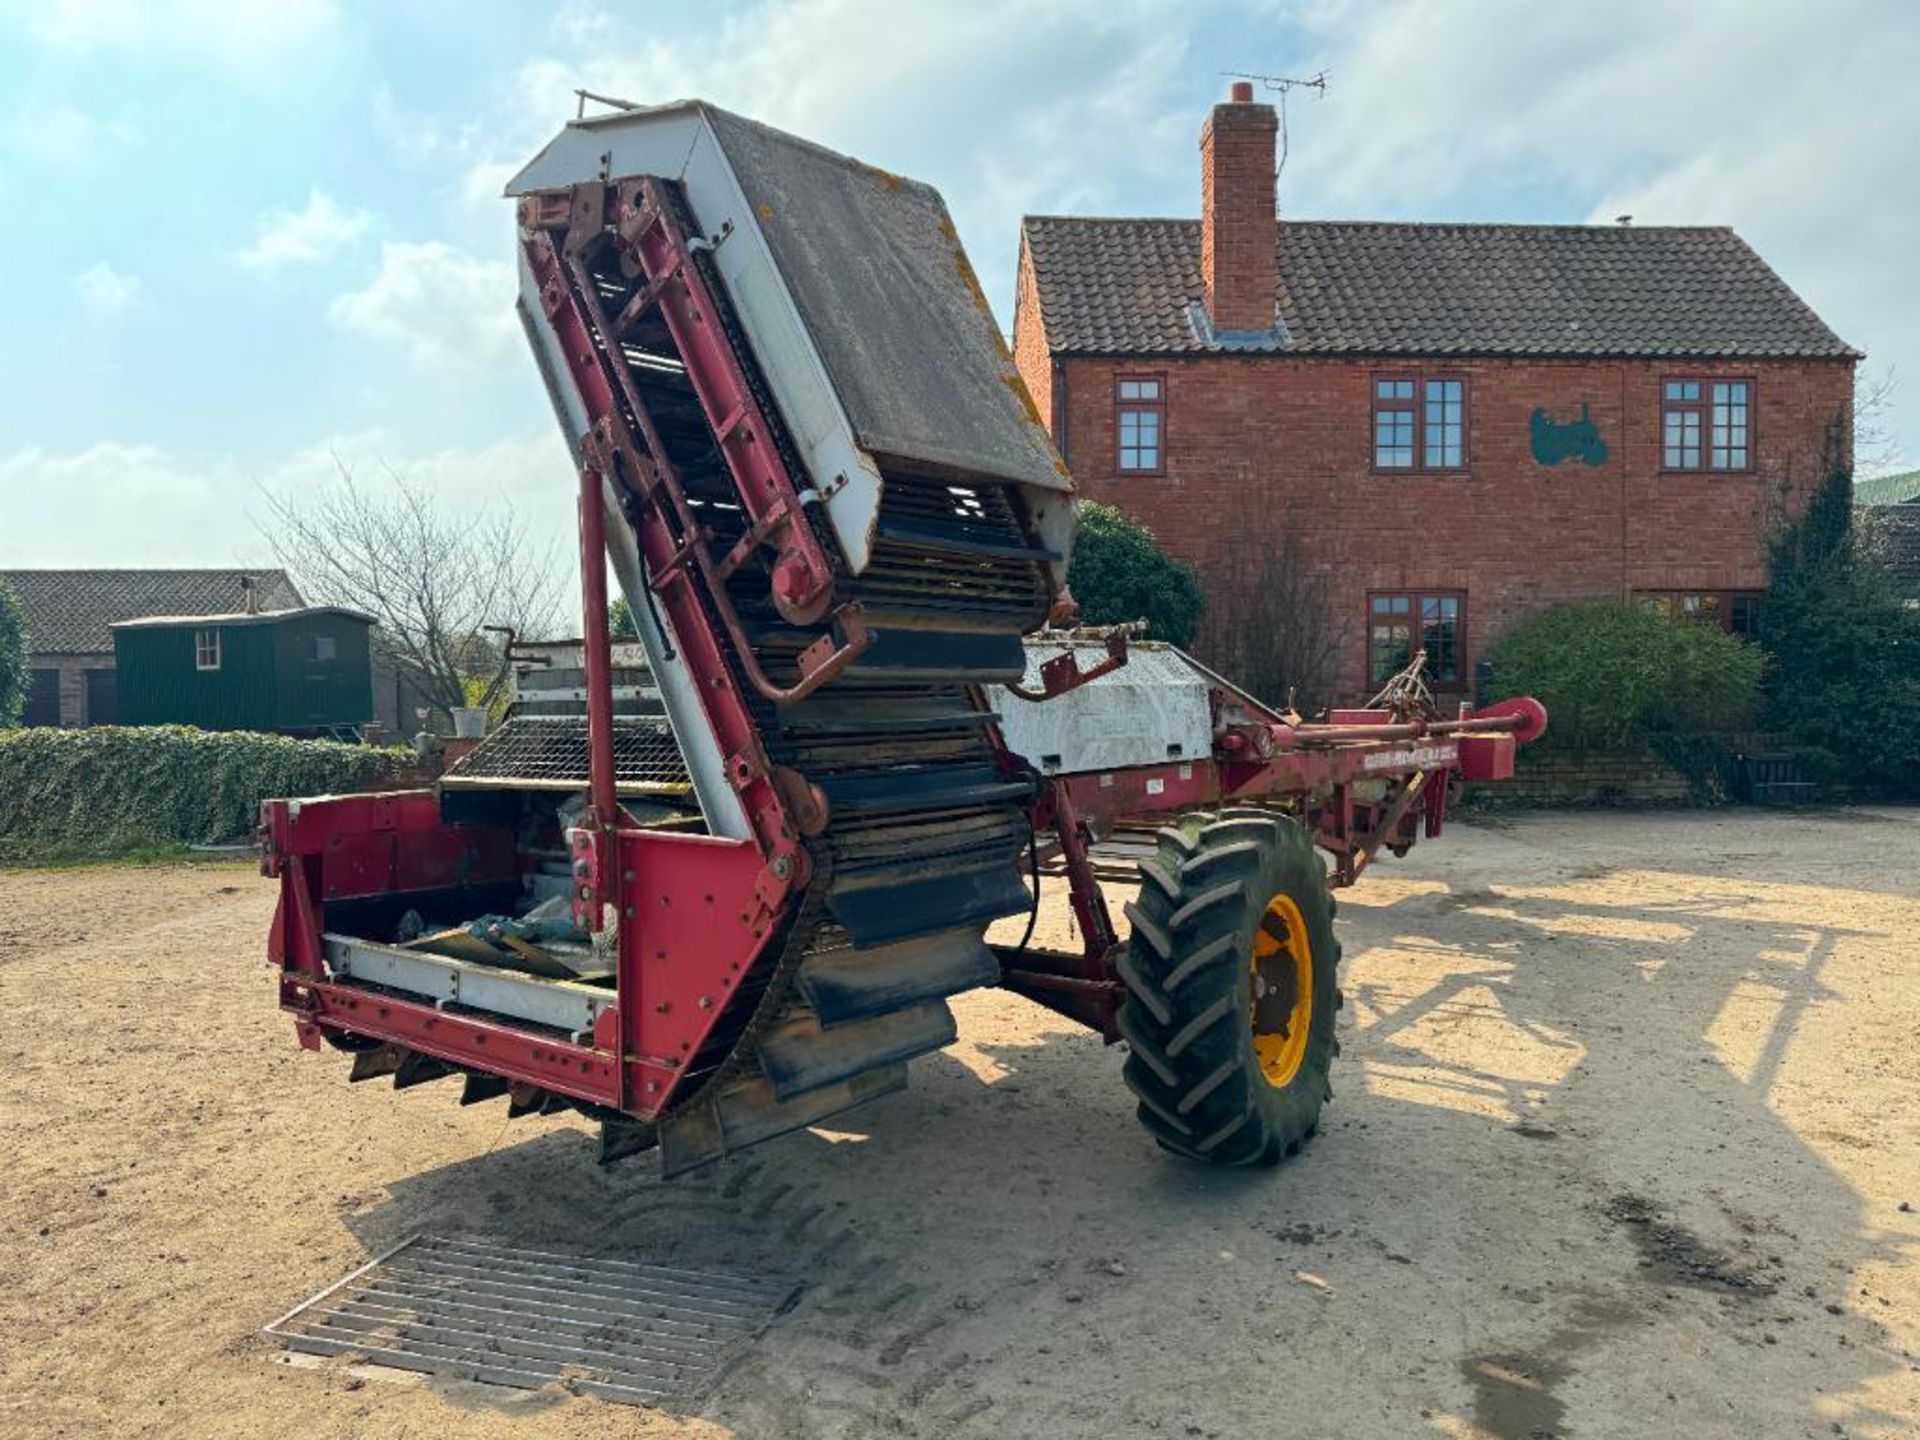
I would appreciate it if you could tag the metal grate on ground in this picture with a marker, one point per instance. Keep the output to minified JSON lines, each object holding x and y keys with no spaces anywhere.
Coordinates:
{"x":550,"y":753}
{"x":501,"y":1315}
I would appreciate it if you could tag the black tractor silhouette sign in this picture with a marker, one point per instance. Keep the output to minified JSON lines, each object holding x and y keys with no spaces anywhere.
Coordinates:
{"x":1574,"y":439}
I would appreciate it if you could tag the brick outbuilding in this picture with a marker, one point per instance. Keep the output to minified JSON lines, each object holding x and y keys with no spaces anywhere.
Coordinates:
{"x":1413,"y":435}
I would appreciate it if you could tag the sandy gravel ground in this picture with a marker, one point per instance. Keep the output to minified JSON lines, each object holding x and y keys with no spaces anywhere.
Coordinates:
{"x":1626,"y":1137}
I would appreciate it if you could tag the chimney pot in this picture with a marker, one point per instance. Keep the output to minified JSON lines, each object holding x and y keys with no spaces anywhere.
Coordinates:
{"x":1243,"y":92}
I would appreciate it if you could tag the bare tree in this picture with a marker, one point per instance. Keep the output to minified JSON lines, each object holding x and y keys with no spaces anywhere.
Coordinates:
{"x":1876,"y":447}
{"x":1274,"y":626}
{"x":432,"y":576}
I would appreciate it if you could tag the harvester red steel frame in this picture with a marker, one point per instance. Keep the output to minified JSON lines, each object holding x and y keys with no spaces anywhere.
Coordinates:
{"x":707,"y":930}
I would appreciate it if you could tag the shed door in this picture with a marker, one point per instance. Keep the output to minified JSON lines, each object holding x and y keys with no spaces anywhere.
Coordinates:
{"x":103,"y":697}
{"x":43,"y":699}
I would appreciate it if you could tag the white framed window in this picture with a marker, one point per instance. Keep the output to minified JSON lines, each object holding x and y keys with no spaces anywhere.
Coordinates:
{"x":206,"y":649}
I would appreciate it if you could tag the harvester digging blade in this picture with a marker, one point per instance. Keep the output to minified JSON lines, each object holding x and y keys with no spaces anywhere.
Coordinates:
{"x":622,"y":1138}
{"x":748,"y":1113}
{"x":374,"y":1064}
{"x":480,"y":1088}
{"x":418,"y":1069}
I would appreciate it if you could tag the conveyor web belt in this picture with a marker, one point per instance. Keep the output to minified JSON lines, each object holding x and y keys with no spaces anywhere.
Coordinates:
{"x":926,"y":839}
{"x":546,"y":753}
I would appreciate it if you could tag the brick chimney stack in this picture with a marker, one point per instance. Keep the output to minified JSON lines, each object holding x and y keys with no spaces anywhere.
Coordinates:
{"x":1239,"y":228}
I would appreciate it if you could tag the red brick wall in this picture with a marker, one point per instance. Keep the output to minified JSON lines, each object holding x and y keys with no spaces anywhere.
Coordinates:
{"x":1256,"y":445}
{"x":1030,"y":352}
{"x":1239,"y":231}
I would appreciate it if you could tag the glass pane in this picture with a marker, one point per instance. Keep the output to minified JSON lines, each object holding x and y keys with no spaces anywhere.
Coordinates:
{"x":1390,"y":649}
{"x":1393,"y":439}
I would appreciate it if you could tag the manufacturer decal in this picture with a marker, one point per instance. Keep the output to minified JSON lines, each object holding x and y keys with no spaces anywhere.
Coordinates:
{"x":1421,"y":757}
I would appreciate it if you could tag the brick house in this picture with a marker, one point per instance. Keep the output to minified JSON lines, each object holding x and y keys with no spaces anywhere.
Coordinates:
{"x":70,"y":619}
{"x":1447,"y":426}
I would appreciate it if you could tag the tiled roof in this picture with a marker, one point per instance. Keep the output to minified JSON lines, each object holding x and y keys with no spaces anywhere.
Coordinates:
{"x":72,"y":612}
{"x":1893,"y":534}
{"x":1131,"y":287}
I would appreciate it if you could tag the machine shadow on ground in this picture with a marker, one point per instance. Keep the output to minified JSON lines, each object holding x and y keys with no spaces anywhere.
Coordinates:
{"x":1552,"y":1196}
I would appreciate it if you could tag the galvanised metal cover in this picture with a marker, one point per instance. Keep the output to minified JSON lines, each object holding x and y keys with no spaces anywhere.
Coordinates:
{"x":1153,"y":710}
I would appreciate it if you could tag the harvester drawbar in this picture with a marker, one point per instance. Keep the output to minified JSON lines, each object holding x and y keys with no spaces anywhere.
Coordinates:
{"x":807,"y":458}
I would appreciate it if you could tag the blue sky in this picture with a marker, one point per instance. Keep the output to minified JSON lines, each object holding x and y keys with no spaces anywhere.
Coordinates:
{"x":246,"y":238}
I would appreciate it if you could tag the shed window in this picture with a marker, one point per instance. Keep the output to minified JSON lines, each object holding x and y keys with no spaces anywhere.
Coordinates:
{"x":1419,"y":424}
{"x":1140,"y":419}
{"x":206,"y":649}
{"x":1400,"y":623}
{"x":1706,"y":425}
{"x":325,"y":647}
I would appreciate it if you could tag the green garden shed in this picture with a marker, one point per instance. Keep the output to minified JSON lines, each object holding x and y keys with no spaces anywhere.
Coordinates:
{"x":303,"y":671}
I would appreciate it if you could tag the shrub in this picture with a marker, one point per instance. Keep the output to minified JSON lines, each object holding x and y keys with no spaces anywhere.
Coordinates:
{"x":1844,"y":681}
{"x":108,"y":790}
{"x":1119,"y":573}
{"x":13,"y":655}
{"x":1614,"y":676}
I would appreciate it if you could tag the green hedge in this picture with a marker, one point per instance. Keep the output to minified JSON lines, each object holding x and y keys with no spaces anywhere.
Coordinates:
{"x":1616,"y":676}
{"x":1119,"y":574}
{"x":114,"y":789}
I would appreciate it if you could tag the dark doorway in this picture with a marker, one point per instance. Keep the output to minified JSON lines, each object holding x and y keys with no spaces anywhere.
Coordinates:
{"x":103,"y":697}
{"x":43,"y":699}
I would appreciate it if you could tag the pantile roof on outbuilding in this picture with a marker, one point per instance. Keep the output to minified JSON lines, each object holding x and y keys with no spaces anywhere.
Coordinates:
{"x":1893,"y":536}
{"x":1134,"y":287}
{"x":73,"y":612}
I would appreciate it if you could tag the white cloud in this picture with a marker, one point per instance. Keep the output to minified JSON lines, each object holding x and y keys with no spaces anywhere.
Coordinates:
{"x":1008,"y":107}
{"x":68,"y":137}
{"x":301,"y":237}
{"x":106,"y":293}
{"x":115,"y":503}
{"x":1792,"y":125}
{"x":250,"y":39}
{"x":448,"y":310}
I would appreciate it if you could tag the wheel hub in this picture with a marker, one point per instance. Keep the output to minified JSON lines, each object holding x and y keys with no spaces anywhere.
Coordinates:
{"x":1282,"y":988}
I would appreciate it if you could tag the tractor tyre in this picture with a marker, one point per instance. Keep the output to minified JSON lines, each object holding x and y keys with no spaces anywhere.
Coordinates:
{"x":1232,"y":988}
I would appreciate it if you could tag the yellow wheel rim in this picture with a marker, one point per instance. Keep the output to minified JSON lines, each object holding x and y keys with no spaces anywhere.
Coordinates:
{"x":1282,"y":1010}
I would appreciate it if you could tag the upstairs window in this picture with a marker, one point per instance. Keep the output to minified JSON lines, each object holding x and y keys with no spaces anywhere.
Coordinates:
{"x":206,"y":649}
{"x":1419,"y":424}
{"x":1706,"y":425}
{"x":1399,"y":623}
{"x":1140,"y":413}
